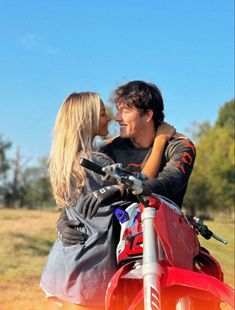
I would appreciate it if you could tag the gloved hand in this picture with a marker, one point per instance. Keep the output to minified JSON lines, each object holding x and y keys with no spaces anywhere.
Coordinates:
{"x":68,"y":230}
{"x":103,"y":196}
{"x":147,"y":191}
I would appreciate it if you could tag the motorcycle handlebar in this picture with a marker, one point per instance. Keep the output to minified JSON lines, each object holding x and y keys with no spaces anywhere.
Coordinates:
{"x":130,"y":181}
{"x":122,"y":176}
{"x":92,"y":166}
{"x":115,"y":170}
{"x":205,"y":232}
{"x":219,"y":238}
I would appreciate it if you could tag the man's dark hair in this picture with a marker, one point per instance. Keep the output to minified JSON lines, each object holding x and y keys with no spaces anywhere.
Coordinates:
{"x":143,"y":96}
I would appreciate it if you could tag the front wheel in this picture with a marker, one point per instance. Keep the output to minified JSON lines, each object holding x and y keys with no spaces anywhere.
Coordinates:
{"x":184,"y":303}
{"x":206,"y":305}
{"x":180,"y":303}
{"x":190,"y":303}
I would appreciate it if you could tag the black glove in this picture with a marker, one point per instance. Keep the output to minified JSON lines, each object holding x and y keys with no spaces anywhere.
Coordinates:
{"x":147,"y":191}
{"x":103,"y":196}
{"x":68,"y":230}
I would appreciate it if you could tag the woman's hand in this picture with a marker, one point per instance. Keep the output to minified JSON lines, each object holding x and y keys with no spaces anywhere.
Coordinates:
{"x":164,"y":132}
{"x":101,"y":197}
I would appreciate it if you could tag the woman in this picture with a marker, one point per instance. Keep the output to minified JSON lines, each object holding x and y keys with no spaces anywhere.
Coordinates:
{"x":77,"y":276}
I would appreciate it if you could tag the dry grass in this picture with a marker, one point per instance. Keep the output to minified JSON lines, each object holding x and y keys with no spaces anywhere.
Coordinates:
{"x":26,"y":238}
{"x":224,"y":227}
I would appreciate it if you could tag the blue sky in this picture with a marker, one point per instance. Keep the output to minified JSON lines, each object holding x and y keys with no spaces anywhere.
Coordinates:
{"x":51,"y":48}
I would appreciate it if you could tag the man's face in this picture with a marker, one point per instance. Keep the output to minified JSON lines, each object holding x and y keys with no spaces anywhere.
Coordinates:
{"x":131,"y":121}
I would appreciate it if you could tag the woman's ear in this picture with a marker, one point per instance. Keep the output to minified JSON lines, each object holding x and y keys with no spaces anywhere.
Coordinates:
{"x":148,"y":115}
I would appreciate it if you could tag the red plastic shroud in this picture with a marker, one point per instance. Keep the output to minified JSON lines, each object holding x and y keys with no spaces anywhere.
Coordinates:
{"x":177,"y":237}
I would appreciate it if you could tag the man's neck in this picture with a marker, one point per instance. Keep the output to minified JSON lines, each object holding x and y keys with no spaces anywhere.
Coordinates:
{"x":144,"y":140}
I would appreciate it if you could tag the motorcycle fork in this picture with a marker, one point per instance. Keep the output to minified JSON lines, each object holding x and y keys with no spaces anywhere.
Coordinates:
{"x":150,"y":268}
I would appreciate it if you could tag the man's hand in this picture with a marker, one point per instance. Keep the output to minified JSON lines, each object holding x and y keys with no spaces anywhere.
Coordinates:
{"x":68,"y":231}
{"x":99,"y":198}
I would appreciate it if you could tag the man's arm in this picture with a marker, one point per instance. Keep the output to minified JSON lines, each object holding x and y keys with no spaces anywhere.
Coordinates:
{"x":172,"y":180}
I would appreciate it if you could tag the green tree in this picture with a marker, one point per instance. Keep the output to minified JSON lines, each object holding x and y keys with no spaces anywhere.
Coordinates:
{"x":226,"y":117}
{"x":199,"y":130}
{"x":4,"y":162}
{"x":4,"y":167}
{"x":35,"y":186}
{"x":212,"y":182}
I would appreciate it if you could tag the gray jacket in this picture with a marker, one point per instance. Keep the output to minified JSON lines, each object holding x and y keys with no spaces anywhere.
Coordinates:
{"x":80,"y":273}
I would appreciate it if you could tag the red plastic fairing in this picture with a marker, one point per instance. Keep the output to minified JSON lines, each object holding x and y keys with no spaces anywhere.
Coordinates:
{"x":202,"y":282}
{"x":177,"y":237}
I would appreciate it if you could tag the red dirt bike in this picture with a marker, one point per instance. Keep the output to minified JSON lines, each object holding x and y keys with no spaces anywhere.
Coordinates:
{"x":161,"y":263}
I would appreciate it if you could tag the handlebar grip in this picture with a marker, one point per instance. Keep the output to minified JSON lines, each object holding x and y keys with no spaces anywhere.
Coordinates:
{"x":219,"y":238}
{"x":91,"y":166}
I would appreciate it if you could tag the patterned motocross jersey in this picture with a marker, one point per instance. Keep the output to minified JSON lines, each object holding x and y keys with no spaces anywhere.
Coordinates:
{"x":176,"y":165}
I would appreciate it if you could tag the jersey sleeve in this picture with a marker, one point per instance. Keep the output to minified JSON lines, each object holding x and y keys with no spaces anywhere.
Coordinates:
{"x":173,"y":179}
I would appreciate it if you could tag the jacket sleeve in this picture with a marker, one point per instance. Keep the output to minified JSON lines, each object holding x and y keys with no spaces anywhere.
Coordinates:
{"x":63,"y":217}
{"x":173,"y":178}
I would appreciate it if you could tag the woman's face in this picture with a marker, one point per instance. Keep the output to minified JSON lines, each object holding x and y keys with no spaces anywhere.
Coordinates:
{"x":104,"y":120}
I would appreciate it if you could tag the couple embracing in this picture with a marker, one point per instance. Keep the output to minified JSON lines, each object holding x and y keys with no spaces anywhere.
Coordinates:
{"x":83,"y":258}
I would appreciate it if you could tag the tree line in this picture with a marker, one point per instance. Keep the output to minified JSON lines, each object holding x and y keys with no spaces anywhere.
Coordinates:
{"x":211,"y":186}
{"x":22,"y":185}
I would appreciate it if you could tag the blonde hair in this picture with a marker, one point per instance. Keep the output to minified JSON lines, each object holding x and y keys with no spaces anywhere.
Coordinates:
{"x":76,"y":125}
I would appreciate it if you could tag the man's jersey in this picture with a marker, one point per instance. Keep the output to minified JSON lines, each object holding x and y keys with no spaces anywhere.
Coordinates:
{"x":176,"y":165}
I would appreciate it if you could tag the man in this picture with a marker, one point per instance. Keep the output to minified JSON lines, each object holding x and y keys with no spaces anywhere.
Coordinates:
{"x":139,"y":113}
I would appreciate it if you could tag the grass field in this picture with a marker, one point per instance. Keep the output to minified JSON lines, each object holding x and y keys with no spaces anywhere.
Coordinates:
{"x":26,"y":237}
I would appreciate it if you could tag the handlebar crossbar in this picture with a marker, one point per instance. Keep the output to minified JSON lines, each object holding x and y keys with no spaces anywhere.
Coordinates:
{"x":116,"y":171}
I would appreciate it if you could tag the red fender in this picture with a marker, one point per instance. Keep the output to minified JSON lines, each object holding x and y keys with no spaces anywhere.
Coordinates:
{"x":173,"y":276}
{"x":204,"y":286}
{"x":113,"y":284}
